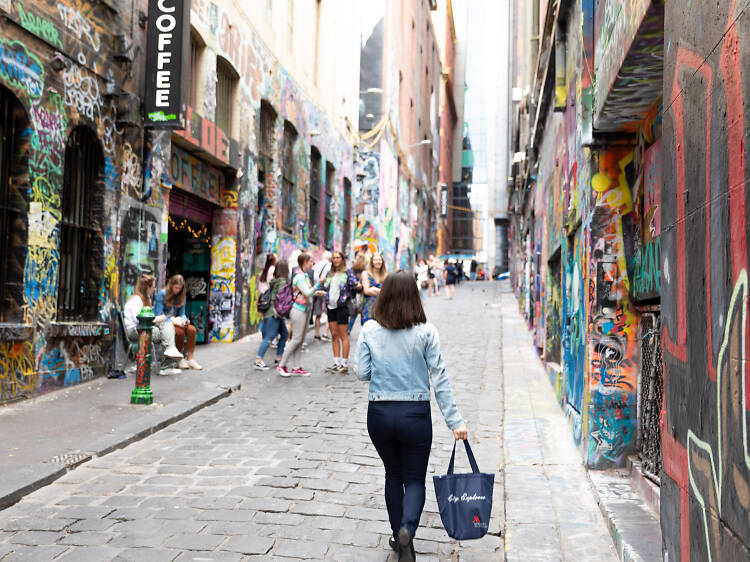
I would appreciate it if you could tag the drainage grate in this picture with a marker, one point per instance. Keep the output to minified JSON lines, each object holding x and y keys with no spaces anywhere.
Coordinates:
{"x":72,"y":459}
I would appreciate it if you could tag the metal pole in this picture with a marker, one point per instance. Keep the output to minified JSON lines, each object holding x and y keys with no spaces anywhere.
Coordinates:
{"x":142,"y":392}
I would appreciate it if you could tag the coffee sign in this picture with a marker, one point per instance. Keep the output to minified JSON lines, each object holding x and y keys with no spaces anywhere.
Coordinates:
{"x":167,"y":52}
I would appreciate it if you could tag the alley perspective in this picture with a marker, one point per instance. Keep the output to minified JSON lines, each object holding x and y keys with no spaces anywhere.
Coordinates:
{"x":374,"y":280}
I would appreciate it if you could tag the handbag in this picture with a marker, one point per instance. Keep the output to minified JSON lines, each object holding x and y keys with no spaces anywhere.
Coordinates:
{"x":465,"y":500}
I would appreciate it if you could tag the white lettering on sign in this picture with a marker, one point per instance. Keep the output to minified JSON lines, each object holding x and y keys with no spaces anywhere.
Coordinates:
{"x":465,"y":498}
{"x":165,"y":24}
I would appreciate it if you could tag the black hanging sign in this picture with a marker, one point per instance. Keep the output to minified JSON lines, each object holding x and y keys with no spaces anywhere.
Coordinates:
{"x":167,"y":52}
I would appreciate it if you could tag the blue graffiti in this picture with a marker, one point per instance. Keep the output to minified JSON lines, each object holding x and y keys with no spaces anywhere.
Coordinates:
{"x":19,"y":68}
{"x":57,"y":366}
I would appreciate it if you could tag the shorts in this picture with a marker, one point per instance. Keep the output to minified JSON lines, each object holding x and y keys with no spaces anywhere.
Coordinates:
{"x":318,"y":305}
{"x":339,"y":315}
{"x":450,"y":281}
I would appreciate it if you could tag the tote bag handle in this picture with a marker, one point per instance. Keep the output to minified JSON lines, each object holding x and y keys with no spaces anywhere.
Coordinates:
{"x":472,"y":461}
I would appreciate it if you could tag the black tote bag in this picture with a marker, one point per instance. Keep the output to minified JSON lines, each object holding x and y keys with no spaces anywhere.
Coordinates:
{"x":465,"y":500}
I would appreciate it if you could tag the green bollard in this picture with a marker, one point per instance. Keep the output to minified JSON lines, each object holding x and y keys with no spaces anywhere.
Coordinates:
{"x":142,"y":392}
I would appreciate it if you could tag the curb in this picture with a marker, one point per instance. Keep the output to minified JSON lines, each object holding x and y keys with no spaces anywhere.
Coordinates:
{"x":20,"y":482}
{"x":634,"y":527}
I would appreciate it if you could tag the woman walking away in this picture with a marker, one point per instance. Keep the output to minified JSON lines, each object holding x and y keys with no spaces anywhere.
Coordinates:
{"x":170,"y":301}
{"x":301,"y":291}
{"x":372,"y":281}
{"x":340,"y":285}
{"x":273,"y":324}
{"x":399,"y":353}
{"x":451,"y":276}
{"x":359,"y":266}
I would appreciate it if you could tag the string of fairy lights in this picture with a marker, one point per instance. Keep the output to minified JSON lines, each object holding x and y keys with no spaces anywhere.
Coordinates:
{"x":200,"y":234}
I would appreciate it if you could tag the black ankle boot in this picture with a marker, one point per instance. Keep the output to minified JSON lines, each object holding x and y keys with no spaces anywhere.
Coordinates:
{"x":405,"y":546}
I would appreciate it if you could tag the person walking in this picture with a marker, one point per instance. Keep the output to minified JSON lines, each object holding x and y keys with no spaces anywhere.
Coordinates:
{"x":423,"y":277}
{"x":473,"y":270}
{"x":372,"y":281}
{"x":320,"y":272}
{"x":356,"y":305}
{"x":273,"y":324}
{"x":451,"y":275}
{"x":170,"y":301}
{"x":301,"y":291}
{"x":340,"y":285}
{"x":398,"y":352}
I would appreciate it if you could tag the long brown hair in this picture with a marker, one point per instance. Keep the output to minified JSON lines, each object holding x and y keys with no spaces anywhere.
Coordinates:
{"x":398,"y":305}
{"x":378,"y":275}
{"x":343,"y":263}
{"x":170,"y":299}
{"x":270,"y":260}
{"x":360,"y":263}
{"x":282,"y":270}
{"x":144,"y":283}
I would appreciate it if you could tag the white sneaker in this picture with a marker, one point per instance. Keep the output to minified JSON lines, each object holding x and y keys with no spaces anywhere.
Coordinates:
{"x":193,"y":364}
{"x":172,"y":352}
{"x":171,"y":371}
{"x":183,"y":364}
{"x":332,"y":368}
{"x":261,"y":366}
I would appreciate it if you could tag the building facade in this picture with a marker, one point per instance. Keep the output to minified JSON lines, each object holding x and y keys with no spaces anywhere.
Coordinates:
{"x":398,"y":159}
{"x":629,"y":244}
{"x":93,"y":199}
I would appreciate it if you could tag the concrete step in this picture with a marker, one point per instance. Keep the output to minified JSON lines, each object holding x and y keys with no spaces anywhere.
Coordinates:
{"x":634,"y":526}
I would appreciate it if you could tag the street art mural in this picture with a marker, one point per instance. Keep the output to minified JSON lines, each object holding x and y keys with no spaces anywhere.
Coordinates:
{"x":55,"y":65}
{"x":705,"y":499}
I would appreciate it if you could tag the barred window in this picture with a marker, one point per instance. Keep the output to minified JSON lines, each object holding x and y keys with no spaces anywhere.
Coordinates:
{"x":226,"y":82}
{"x":13,"y":205}
{"x":80,"y":240}
{"x":347,"y":227}
{"x":330,"y":179}
{"x":313,"y":215}
{"x":289,"y":177}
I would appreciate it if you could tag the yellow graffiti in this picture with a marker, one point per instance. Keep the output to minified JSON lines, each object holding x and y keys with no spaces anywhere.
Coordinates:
{"x":43,"y":192}
{"x":229,"y":197}
{"x":255,"y":316}
{"x":615,"y":192}
{"x":223,"y":257}
{"x":17,"y":372}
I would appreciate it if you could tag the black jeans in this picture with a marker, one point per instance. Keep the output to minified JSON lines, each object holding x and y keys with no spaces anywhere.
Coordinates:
{"x":402,"y":435}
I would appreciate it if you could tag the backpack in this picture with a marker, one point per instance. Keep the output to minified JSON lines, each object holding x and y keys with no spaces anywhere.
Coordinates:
{"x":264,"y":301}
{"x":284,"y":301}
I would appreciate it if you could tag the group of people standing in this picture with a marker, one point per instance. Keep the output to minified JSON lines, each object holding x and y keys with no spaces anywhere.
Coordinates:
{"x":433,"y":273}
{"x":329,"y":286}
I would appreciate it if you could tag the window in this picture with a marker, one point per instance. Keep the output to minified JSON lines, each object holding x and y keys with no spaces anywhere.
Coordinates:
{"x":196,"y":50}
{"x":13,"y":206}
{"x":267,"y":125}
{"x":290,"y":26}
{"x":328,"y":226}
{"x":80,"y":275}
{"x":226,"y":81}
{"x":347,"y":213}
{"x":313,"y":215}
{"x":289,"y":177}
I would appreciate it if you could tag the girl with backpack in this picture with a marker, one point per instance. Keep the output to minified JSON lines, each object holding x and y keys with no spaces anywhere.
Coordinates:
{"x":274,"y":324}
{"x":340,"y":286}
{"x":302,"y":290}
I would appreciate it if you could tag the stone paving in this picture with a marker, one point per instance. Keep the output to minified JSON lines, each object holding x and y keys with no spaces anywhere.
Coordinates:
{"x":281,"y":470}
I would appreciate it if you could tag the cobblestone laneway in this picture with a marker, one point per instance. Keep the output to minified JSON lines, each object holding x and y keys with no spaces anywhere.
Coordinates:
{"x":283,"y":469}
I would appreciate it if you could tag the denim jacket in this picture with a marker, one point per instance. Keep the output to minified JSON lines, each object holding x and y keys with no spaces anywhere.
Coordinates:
{"x":402,"y":364}
{"x":170,"y":312}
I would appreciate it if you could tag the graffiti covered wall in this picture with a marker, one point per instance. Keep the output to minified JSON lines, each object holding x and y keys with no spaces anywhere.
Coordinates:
{"x":705,"y":506}
{"x":58,"y":63}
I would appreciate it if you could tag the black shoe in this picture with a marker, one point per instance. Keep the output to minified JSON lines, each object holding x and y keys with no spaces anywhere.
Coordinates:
{"x":405,"y":546}
{"x":393,"y":543}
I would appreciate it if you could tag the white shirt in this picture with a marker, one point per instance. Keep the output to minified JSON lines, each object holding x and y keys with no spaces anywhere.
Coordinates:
{"x":130,"y":312}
